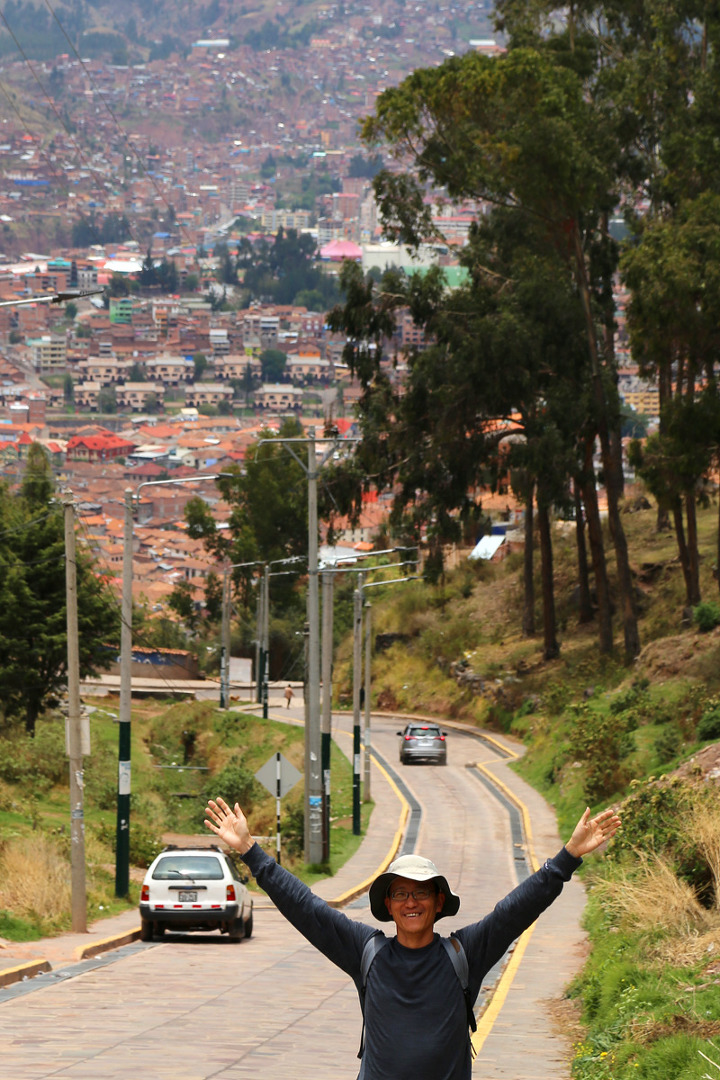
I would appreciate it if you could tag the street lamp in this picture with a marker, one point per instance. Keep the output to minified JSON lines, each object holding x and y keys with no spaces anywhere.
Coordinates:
{"x":122,"y":847}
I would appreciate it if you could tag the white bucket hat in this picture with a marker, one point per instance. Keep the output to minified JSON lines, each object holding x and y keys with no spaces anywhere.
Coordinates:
{"x":415,"y":868}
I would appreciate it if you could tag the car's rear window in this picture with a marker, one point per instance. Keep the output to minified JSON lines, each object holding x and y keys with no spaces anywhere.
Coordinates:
{"x":433,"y":731}
{"x":176,"y":867}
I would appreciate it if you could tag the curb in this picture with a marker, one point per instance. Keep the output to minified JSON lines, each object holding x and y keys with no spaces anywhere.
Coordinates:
{"x":82,"y":952}
{"x":24,"y":971}
{"x":94,"y":948}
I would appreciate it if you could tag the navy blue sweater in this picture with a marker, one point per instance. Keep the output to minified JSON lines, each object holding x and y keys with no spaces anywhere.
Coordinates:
{"x":415,"y":1016}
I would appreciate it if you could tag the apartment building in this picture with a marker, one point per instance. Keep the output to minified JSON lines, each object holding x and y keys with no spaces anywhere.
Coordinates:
{"x":279,"y":397}
{"x":171,"y":370}
{"x":235,"y":367}
{"x":197,"y":394}
{"x":49,"y":352}
{"x":105,"y":371}
{"x":135,"y":395}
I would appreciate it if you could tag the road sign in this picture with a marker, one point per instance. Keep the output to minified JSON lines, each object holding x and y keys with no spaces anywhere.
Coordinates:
{"x":269,"y":775}
{"x":279,"y":776}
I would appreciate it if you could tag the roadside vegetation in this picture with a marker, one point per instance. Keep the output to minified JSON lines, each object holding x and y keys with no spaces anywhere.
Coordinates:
{"x":182,"y":754}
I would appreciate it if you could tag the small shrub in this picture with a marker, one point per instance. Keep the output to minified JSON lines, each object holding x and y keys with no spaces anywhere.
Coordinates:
{"x":234,"y":783}
{"x":709,"y":724}
{"x":706,"y":616}
{"x":668,"y":743}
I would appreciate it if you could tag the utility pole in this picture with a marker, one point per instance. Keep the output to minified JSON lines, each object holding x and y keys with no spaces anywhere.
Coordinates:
{"x":265,"y":662}
{"x":122,"y":844}
{"x":313,"y":778}
{"x":258,"y":641}
{"x":313,"y":764}
{"x":74,"y":730}
{"x":357,"y":683}
{"x":225,"y":655}
{"x":326,"y":730}
{"x":366,"y":718}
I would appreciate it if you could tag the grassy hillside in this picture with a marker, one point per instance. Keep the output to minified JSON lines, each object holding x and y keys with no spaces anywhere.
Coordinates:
{"x":221,"y":751}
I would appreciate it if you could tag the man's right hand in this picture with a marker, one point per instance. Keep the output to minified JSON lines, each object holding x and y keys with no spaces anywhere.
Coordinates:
{"x":230,"y":825}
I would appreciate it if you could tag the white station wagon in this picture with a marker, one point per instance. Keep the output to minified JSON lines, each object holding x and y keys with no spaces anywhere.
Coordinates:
{"x":194,"y":889}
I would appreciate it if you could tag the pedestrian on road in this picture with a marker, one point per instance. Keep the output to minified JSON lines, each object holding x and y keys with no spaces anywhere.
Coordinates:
{"x":288,"y":695}
{"x":415,"y":1011}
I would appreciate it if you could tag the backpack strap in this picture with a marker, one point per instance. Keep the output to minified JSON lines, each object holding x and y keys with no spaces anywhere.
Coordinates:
{"x":372,"y":947}
{"x":458,"y":959}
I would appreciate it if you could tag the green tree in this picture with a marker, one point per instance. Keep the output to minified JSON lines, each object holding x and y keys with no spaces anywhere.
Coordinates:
{"x":33,"y":612}
{"x":182,"y":601}
{"x":107,"y":400}
{"x":268,"y":517}
{"x":200,"y":363}
{"x":274,"y":363}
{"x":519,"y":132}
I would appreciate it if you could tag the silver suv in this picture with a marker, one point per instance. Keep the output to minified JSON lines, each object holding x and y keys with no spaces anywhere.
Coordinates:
{"x":423,"y":742}
{"x":194,"y":889}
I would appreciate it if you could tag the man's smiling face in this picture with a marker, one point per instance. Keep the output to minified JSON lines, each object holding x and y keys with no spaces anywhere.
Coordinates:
{"x":413,"y":917}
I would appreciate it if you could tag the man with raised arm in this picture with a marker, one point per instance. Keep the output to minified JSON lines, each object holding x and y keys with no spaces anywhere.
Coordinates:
{"x":415,"y":1006}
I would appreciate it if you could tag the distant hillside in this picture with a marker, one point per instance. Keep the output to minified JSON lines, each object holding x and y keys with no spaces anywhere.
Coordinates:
{"x":135,"y":31}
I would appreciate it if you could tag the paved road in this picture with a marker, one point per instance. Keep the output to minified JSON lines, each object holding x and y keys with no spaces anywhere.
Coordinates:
{"x":195,"y":1008}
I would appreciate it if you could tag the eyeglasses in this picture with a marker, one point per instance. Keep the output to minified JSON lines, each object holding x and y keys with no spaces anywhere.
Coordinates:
{"x":423,"y":892}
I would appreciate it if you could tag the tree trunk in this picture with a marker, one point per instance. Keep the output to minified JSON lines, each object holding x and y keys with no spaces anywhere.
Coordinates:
{"x":585,"y":608}
{"x":551,"y":649}
{"x":693,"y":553}
{"x":683,"y":551}
{"x":528,"y":619}
{"x":597,"y":552}
{"x":625,"y":581}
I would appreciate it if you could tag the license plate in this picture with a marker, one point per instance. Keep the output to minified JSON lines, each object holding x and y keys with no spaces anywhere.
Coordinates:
{"x":187,"y":897}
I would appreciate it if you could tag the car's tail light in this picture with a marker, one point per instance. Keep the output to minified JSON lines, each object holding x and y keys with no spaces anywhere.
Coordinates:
{"x":230,"y":893}
{"x":441,"y":738}
{"x":145,"y":894}
{"x":409,"y":738}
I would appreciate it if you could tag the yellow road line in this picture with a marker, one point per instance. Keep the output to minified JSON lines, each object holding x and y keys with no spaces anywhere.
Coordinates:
{"x":488,"y":1018}
{"x":527,"y":827}
{"x":491,"y":1013}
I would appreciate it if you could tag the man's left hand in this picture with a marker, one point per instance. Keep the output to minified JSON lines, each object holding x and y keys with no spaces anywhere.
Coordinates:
{"x":591,"y":832}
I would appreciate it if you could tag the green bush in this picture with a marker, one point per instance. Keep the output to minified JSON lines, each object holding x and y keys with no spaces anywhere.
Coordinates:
{"x":42,"y":758}
{"x":669,"y":743}
{"x":706,"y":616}
{"x":602,"y":741}
{"x":234,"y":783}
{"x":709,"y":724}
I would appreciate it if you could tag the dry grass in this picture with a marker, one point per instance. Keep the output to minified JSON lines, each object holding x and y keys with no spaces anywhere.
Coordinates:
{"x":691,"y":949}
{"x":34,"y":879}
{"x":650,"y":896}
{"x":705,"y":828}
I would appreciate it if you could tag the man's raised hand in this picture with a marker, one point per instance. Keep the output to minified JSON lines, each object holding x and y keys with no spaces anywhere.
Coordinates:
{"x":230,"y":825}
{"x":590,"y":833}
